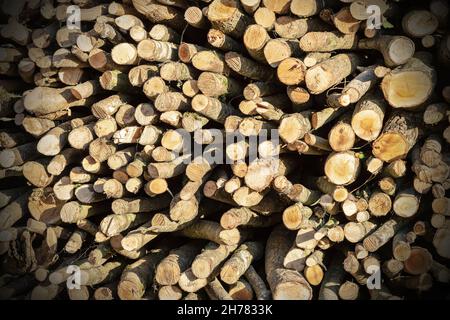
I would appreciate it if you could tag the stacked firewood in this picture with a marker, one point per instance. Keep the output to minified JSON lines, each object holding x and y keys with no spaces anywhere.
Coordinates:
{"x":104,"y":197}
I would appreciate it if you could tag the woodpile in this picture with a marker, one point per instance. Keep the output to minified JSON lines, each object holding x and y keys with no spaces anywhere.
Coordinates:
{"x":113,"y":116}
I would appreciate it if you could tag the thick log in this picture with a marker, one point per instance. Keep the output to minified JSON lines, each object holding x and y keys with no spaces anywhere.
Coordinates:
{"x":421,"y":81}
{"x":399,"y":135}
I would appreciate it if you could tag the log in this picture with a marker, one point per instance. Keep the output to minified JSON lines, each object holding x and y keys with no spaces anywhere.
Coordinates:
{"x":255,"y":38}
{"x":194,"y":16}
{"x":247,"y":68}
{"x":19,"y":155}
{"x":439,"y":240}
{"x":212,"y":255}
{"x":239,"y":262}
{"x":327,"y":41}
{"x":153,"y":50}
{"x":380,"y":204}
{"x":211,"y":108}
{"x":421,"y":80}
{"x":284,"y":283}
{"x":158,"y":13}
{"x":294,"y":127}
{"x":382,"y":235}
{"x":332,"y":281}
{"x":306,"y":8}
{"x":396,"y":50}
{"x":212,"y":231}
{"x":73,"y":211}
{"x":136,"y":276}
{"x":215,"y":85}
{"x":406,"y":203}
{"x":349,"y":166}
{"x":397,"y":138}
{"x":226,"y":16}
{"x":356,"y":231}
{"x":419,"y":23}
{"x":13,"y":212}
{"x":264,"y":17}
{"x":169,"y":270}
{"x":137,"y":205}
{"x":368,"y":116}
{"x":222,"y":41}
{"x":331,"y":72}
{"x":341,"y":137}
{"x":291,"y":71}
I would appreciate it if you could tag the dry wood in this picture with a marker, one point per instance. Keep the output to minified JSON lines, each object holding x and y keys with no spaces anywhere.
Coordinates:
{"x":239,"y":262}
{"x":382,"y":235}
{"x":248,"y":68}
{"x":330,"y":72}
{"x":419,"y":23}
{"x":211,"y":108}
{"x":417,"y":92}
{"x":291,"y":71}
{"x":68,"y":145}
{"x":153,"y":50}
{"x":136,"y":205}
{"x":348,"y":164}
{"x":396,"y":50}
{"x":345,"y":22}
{"x":399,"y":135}
{"x":212,"y":255}
{"x":226,"y":16}
{"x":194,"y":16}
{"x":341,"y":137}
{"x":255,"y":38}
{"x":284,"y":283}
{"x":221,"y":41}
{"x":327,"y":41}
{"x":241,"y":290}
{"x":137,"y":275}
